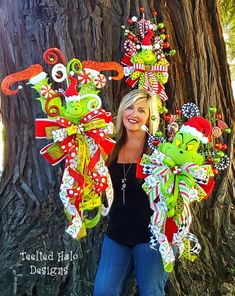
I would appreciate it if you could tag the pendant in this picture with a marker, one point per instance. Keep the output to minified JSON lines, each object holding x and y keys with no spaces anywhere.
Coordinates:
{"x":123,"y":190}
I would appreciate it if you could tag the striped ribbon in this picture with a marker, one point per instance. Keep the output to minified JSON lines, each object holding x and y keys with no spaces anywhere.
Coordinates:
{"x":167,"y":188}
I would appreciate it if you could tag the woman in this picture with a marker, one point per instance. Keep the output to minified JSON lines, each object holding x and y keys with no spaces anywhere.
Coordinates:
{"x":126,"y":244}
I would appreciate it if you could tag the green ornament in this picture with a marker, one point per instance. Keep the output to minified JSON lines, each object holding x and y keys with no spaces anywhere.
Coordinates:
{"x":153,"y":117}
{"x":213,"y":109}
{"x":217,"y":159}
{"x":227,"y":130}
{"x":220,"y":153}
{"x":159,"y":133}
{"x":161,"y":25}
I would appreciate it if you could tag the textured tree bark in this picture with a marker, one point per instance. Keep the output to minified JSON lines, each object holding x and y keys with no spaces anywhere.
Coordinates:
{"x":32,"y":216}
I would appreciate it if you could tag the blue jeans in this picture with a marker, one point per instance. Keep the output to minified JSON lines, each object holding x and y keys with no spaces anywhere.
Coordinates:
{"x":117,"y":263}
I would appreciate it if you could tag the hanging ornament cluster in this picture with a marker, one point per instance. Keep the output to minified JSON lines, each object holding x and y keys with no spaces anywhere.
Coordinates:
{"x":146,"y":49}
{"x":79,"y":129}
{"x":214,"y":151}
{"x":187,"y":156}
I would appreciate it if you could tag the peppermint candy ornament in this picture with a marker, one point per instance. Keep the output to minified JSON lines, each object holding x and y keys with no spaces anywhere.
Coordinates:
{"x":47,"y":91}
{"x":84,"y":77}
{"x":99,"y":81}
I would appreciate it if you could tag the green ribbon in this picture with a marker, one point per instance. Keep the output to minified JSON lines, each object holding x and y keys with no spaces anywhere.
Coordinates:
{"x":172,"y":198}
{"x":90,"y":223}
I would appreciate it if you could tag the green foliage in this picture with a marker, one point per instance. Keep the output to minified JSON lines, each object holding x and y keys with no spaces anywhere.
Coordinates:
{"x":227,"y":16}
{"x":231,"y":271}
{"x":232,"y":70}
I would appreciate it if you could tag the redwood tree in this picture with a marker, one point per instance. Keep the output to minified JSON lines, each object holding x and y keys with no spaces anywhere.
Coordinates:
{"x":32,"y":216}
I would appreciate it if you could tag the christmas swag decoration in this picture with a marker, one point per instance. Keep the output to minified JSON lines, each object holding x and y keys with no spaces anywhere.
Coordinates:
{"x":181,"y":170}
{"x":146,"y":48}
{"x":79,"y":129}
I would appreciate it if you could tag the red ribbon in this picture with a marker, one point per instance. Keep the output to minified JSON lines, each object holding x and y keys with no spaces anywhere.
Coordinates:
{"x":98,"y":135}
{"x":69,"y":146}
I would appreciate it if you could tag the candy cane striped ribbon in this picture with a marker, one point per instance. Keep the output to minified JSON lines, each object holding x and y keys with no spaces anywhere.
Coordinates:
{"x":143,"y":26}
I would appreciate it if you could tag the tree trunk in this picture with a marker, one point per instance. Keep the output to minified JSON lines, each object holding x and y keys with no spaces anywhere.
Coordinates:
{"x":32,"y":218}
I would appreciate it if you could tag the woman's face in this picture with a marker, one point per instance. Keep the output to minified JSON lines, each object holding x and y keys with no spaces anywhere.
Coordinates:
{"x":136,"y":115}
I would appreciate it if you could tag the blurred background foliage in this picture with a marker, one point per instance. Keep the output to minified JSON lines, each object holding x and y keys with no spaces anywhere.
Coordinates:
{"x":227,"y":15}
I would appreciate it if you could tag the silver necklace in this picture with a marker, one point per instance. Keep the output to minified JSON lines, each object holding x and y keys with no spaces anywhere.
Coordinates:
{"x":124,"y":182}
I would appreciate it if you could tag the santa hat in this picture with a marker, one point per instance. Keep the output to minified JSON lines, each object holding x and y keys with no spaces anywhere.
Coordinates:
{"x":71,"y":91}
{"x":146,"y":42}
{"x":199,"y":127}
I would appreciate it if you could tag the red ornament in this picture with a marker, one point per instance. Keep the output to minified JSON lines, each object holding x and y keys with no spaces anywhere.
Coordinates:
{"x":218,"y":116}
{"x":218,"y":146}
{"x":224,"y":147}
{"x":167,"y":36}
{"x":154,"y":13}
{"x":155,"y":143}
{"x":135,"y":39}
{"x":178,"y":111}
{"x":142,"y":9}
{"x":130,"y":21}
{"x":215,"y":171}
{"x":166,"y":45}
{"x":130,"y":37}
{"x":210,"y":160}
{"x":162,"y":30}
{"x":167,"y":117}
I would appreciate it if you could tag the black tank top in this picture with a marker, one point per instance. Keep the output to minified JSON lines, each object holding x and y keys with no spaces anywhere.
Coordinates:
{"x":128,"y":222}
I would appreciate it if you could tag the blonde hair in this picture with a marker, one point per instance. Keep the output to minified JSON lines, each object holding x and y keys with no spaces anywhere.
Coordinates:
{"x":128,"y":100}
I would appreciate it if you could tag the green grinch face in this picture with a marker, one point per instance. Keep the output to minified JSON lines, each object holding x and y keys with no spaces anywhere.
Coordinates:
{"x":183,"y":149}
{"x":148,"y":57}
{"x":75,"y":110}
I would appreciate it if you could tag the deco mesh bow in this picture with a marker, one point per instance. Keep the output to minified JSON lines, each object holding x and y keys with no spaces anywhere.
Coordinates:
{"x":185,"y":160}
{"x":146,"y":49}
{"x":79,"y":129}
